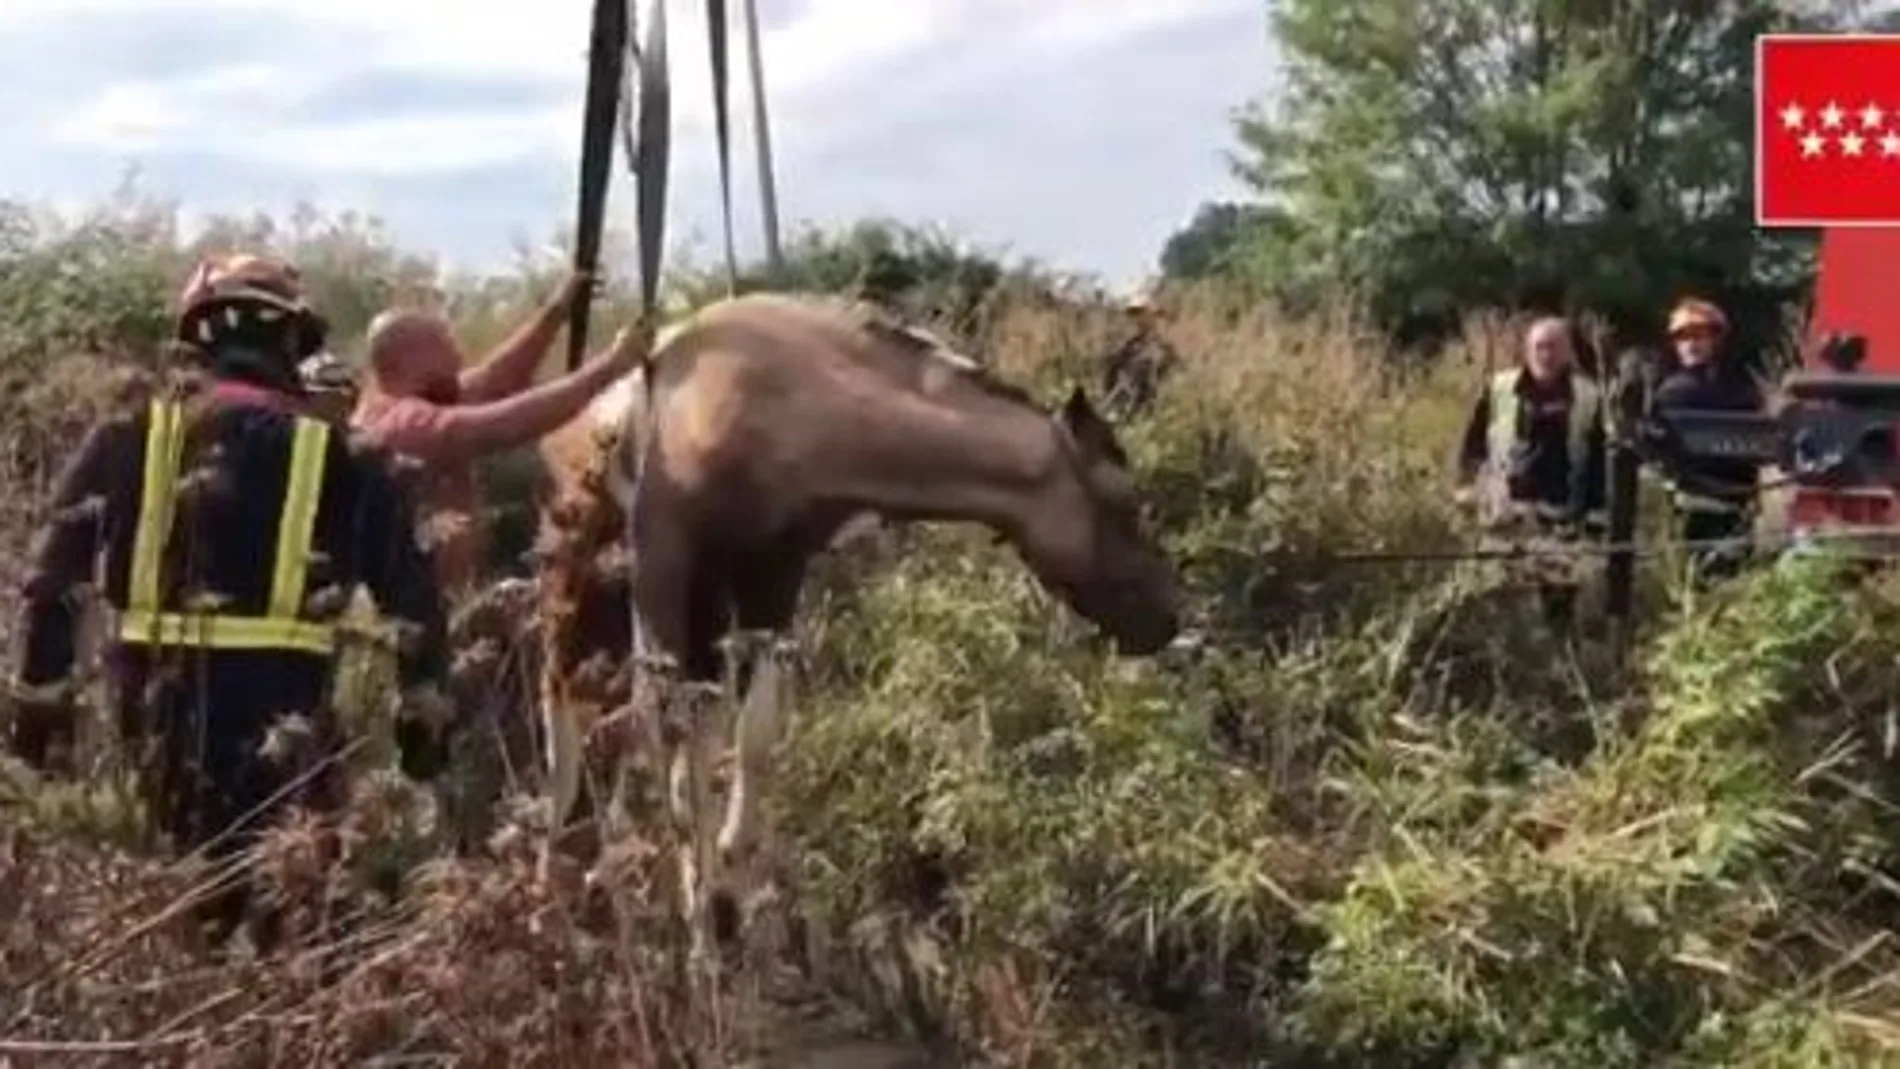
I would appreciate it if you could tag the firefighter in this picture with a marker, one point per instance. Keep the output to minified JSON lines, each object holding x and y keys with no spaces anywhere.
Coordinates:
{"x":230,"y":522}
{"x":1713,"y":496}
{"x":1133,"y":371}
{"x":1533,"y":451}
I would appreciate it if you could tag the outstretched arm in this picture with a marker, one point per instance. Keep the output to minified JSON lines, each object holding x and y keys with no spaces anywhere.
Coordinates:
{"x":509,"y":368}
{"x":461,"y":432}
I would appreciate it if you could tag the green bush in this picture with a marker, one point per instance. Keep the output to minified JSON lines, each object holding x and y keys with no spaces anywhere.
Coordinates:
{"x":1379,"y":819}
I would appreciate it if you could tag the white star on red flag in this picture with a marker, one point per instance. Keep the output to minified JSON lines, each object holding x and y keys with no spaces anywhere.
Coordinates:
{"x":1877,"y":126}
{"x":1827,"y":130}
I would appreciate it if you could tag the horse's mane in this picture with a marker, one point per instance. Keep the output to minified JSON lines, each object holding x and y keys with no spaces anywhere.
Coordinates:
{"x":918,"y":343}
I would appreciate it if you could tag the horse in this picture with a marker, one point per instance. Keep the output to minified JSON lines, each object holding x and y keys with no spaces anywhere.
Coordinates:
{"x":761,"y":428}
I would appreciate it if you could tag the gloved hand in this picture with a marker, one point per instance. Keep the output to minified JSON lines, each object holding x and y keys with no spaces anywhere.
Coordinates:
{"x":42,"y":732}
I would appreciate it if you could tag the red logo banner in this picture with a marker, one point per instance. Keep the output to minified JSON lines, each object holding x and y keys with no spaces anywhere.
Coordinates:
{"x":1827,"y":130}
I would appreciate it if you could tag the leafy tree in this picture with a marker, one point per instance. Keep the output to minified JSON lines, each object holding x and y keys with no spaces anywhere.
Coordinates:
{"x":954,"y":286}
{"x":1439,"y":156}
{"x":1220,"y":239}
{"x":95,"y":284}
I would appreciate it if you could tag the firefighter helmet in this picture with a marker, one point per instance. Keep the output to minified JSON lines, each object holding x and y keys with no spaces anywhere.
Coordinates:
{"x":248,"y":298}
{"x":1696,"y":314}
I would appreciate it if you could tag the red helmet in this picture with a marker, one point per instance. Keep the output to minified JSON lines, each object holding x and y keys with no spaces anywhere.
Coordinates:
{"x":248,"y":296}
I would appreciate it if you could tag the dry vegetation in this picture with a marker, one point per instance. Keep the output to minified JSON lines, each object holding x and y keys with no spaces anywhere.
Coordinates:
{"x":1376,"y":820}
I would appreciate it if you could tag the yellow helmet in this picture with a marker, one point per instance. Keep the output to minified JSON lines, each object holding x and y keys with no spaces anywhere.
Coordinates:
{"x":1696,"y":314}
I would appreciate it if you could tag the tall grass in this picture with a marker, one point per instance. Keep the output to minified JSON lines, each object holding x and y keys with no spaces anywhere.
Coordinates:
{"x":1379,"y":819}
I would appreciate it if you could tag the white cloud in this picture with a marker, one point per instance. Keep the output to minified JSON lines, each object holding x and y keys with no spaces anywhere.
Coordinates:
{"x":1024,"y":123}
{"x":212,"y":105}
{"x":834,"y":48}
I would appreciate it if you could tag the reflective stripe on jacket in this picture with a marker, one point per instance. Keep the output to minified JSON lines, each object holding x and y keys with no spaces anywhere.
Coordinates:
{"x":1507,"y":407}
{"x":146,"y":621}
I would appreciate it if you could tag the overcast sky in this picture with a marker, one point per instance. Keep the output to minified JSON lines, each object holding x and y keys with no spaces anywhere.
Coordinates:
{"x":1081,"y":132}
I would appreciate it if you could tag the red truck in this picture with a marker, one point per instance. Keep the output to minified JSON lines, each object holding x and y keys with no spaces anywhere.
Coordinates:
{"x":1852,"y":300}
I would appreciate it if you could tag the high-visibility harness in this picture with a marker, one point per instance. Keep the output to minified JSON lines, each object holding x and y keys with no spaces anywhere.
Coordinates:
{"x":1585,"y":402}
{"x":281,"y":627}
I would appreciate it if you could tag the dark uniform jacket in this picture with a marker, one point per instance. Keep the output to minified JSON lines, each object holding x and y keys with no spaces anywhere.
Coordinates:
{"x":1712,"y":386}
{"x":1132,"y":372}
{"x":235,"y":474}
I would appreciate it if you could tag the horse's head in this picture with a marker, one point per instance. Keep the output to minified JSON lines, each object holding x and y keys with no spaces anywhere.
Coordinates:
{"x":1084,"y":541}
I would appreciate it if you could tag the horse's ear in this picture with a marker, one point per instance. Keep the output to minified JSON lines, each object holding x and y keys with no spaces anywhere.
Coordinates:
{"x":1088,"y":428}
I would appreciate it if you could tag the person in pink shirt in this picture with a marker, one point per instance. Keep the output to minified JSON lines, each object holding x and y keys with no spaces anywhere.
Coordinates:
{"x":421,"y":403}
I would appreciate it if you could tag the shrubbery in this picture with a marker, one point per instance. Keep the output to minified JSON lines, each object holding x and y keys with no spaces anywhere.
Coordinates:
{"x":1378,"y":820}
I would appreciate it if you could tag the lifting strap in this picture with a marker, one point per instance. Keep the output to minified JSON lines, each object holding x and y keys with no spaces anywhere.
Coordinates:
{"x":722,"y":129}
{"x":762,"y":145}
{"x":281,"y":627}
{"x":649,"y":131}
{"x":607,"y":50}
{"x":649,"y":147}
{"x":612,"y":86}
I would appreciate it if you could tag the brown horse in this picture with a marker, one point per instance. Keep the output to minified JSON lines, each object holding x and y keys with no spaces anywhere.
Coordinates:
{"x":774,"y":422}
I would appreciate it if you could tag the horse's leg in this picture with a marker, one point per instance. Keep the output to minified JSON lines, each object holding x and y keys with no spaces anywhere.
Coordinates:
{"x":566,"y":583}
{"x":561,"y":735}
{"x":707,"y":618}
{"x":657,"y":602}
{"x":690,"y":763}
{"x":766,"y":599}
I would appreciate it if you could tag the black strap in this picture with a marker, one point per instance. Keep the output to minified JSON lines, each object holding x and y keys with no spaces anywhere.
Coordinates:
{"x":722,"y":129}
{"x":762,"y":144}
{"x":649,"y":148}
{"x":652,"y":149}
{"x":606,"y":52}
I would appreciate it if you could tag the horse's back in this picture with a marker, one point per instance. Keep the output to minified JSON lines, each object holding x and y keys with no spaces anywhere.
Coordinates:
{"x":746,"y":368}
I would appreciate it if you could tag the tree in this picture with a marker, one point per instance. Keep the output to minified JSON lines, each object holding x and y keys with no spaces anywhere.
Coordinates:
{"x":954,"y":286}
{"x":1219,"y":239}
{"x":1435,"y":156}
